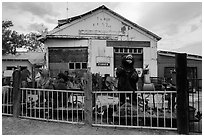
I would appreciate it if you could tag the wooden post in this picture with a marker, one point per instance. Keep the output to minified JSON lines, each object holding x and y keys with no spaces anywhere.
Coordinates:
{"x":182,"y":94}
{"x":16,"y":93}
{"x":88,"y":99}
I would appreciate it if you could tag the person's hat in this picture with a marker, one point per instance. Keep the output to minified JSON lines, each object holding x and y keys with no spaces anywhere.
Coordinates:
{"x":129,"y":57}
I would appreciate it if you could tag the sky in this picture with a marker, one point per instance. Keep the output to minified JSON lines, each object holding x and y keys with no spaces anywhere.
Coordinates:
{"x":179,"y":24}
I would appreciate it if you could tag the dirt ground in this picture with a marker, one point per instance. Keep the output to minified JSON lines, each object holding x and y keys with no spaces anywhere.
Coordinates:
{"x":17,"y":126}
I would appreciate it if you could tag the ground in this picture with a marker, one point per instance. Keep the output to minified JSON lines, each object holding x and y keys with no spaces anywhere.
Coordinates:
{"x":18,"y":126}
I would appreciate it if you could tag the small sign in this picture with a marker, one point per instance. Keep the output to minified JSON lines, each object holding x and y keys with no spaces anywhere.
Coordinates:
{"x":7,"y":73}
{"x":102,"y":64}
{"x":103,"y":61}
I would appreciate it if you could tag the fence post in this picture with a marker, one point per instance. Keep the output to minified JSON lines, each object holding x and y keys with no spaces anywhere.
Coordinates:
{"x":88,"y":99}
{"x":182,"y":94}
{"x":16,"y":93}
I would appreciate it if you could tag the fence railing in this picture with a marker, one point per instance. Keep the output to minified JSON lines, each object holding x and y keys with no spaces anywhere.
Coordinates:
{"x":53,"y":105}
{"x":146,"y":109}
{"x":195,"y":105}
{"x":7,"y":100}
{"x":44,"y":104}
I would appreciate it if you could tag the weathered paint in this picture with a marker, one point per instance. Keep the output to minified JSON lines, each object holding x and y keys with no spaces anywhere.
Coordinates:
{"x":101,"y":26}
{"x":99,"y":49}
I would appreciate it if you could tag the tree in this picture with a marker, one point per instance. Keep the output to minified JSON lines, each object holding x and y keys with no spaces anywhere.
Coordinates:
{"x":11,"y":40}
{"x":32,"y":44}
{"x":7,"y":45}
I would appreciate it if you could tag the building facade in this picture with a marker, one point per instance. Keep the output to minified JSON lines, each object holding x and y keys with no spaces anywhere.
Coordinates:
{"x":97,"y":40}
{"x":166,"y":65}
{"x":28,"y":60}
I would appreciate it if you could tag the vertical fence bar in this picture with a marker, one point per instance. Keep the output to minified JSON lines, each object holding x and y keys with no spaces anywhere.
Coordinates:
{"x":101,"y":111}
{"x":43,"y":104}
{"x":35,"y":92}
{"x":22,"y":103}
{"x":7,"y":102}
{"x":3,"y":100}
{"x":95,"y":94}
{"x":52,"y":104}
{"x":114,"y":102}
{"x":10,"y":100}
{"x":157,"y":111}
{"x":26,"y":102}
{"x":131,"y":108}
{"x":164,"y":109}
{"x":39,"y":104}
{"x":107,"y":106}
{"x":83,"y":107}
{"x":119,"y":108}
{"x":144,"y":101}
{"x":137,"y":111}
{"x":62,"y":104}
{"x":198,"y":90}
{"x":171,"y":108}
{"x":72,"y":108}
{"x":126,"y":115}
{"x":151,"y":109}
{"x":57,"y":105}
{"x":30,"y":104}
{"x":77,"y":107}
{"x":48,"y":105}
{"x":67,"y":106}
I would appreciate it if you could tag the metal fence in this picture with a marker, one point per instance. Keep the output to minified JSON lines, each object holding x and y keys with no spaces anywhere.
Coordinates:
{"x":44,"y":104}
{"x":195,"y":105}
{"x":53,"y":105}
{"x":7,"y":100}
{"x":143,"y":109}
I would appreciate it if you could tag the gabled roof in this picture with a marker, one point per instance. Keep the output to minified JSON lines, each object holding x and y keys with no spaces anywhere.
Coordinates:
{"x":69,"y":20}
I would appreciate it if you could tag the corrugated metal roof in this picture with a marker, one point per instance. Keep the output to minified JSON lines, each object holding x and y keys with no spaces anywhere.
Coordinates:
{"x":32,"y":57}
{"x":172,"y":54}
{"x":69,"y":20}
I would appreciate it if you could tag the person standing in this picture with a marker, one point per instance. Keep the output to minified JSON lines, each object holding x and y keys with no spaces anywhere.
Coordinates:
{"x":127,"y":79}
{"x":25,"y":76}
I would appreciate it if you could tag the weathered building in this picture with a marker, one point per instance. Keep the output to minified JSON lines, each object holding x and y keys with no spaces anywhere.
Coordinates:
{"x":166,"y":65}
{"x":23,"y":60}
{"x":98,"y":39}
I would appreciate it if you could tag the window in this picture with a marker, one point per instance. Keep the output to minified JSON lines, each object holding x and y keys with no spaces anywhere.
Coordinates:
{"x":78,"y":65}
{"x":139,"y":50}
{"x":121,"y":50}
{"x":116,"y":50}
{"x":84,"y":65}
{"x":23,"y":67}
{"x":10,"y":67}
{"x":71,"y":65}
{"x":130,"y":50}
{"x":125,"y":50}
{"x":135,"y":50}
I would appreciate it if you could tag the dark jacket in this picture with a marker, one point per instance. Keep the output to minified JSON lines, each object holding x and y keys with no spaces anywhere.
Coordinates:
{"x":127,"y":76}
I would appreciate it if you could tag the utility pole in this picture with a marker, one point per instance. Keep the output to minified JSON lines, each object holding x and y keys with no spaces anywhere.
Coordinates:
{"x":182,"y":94}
